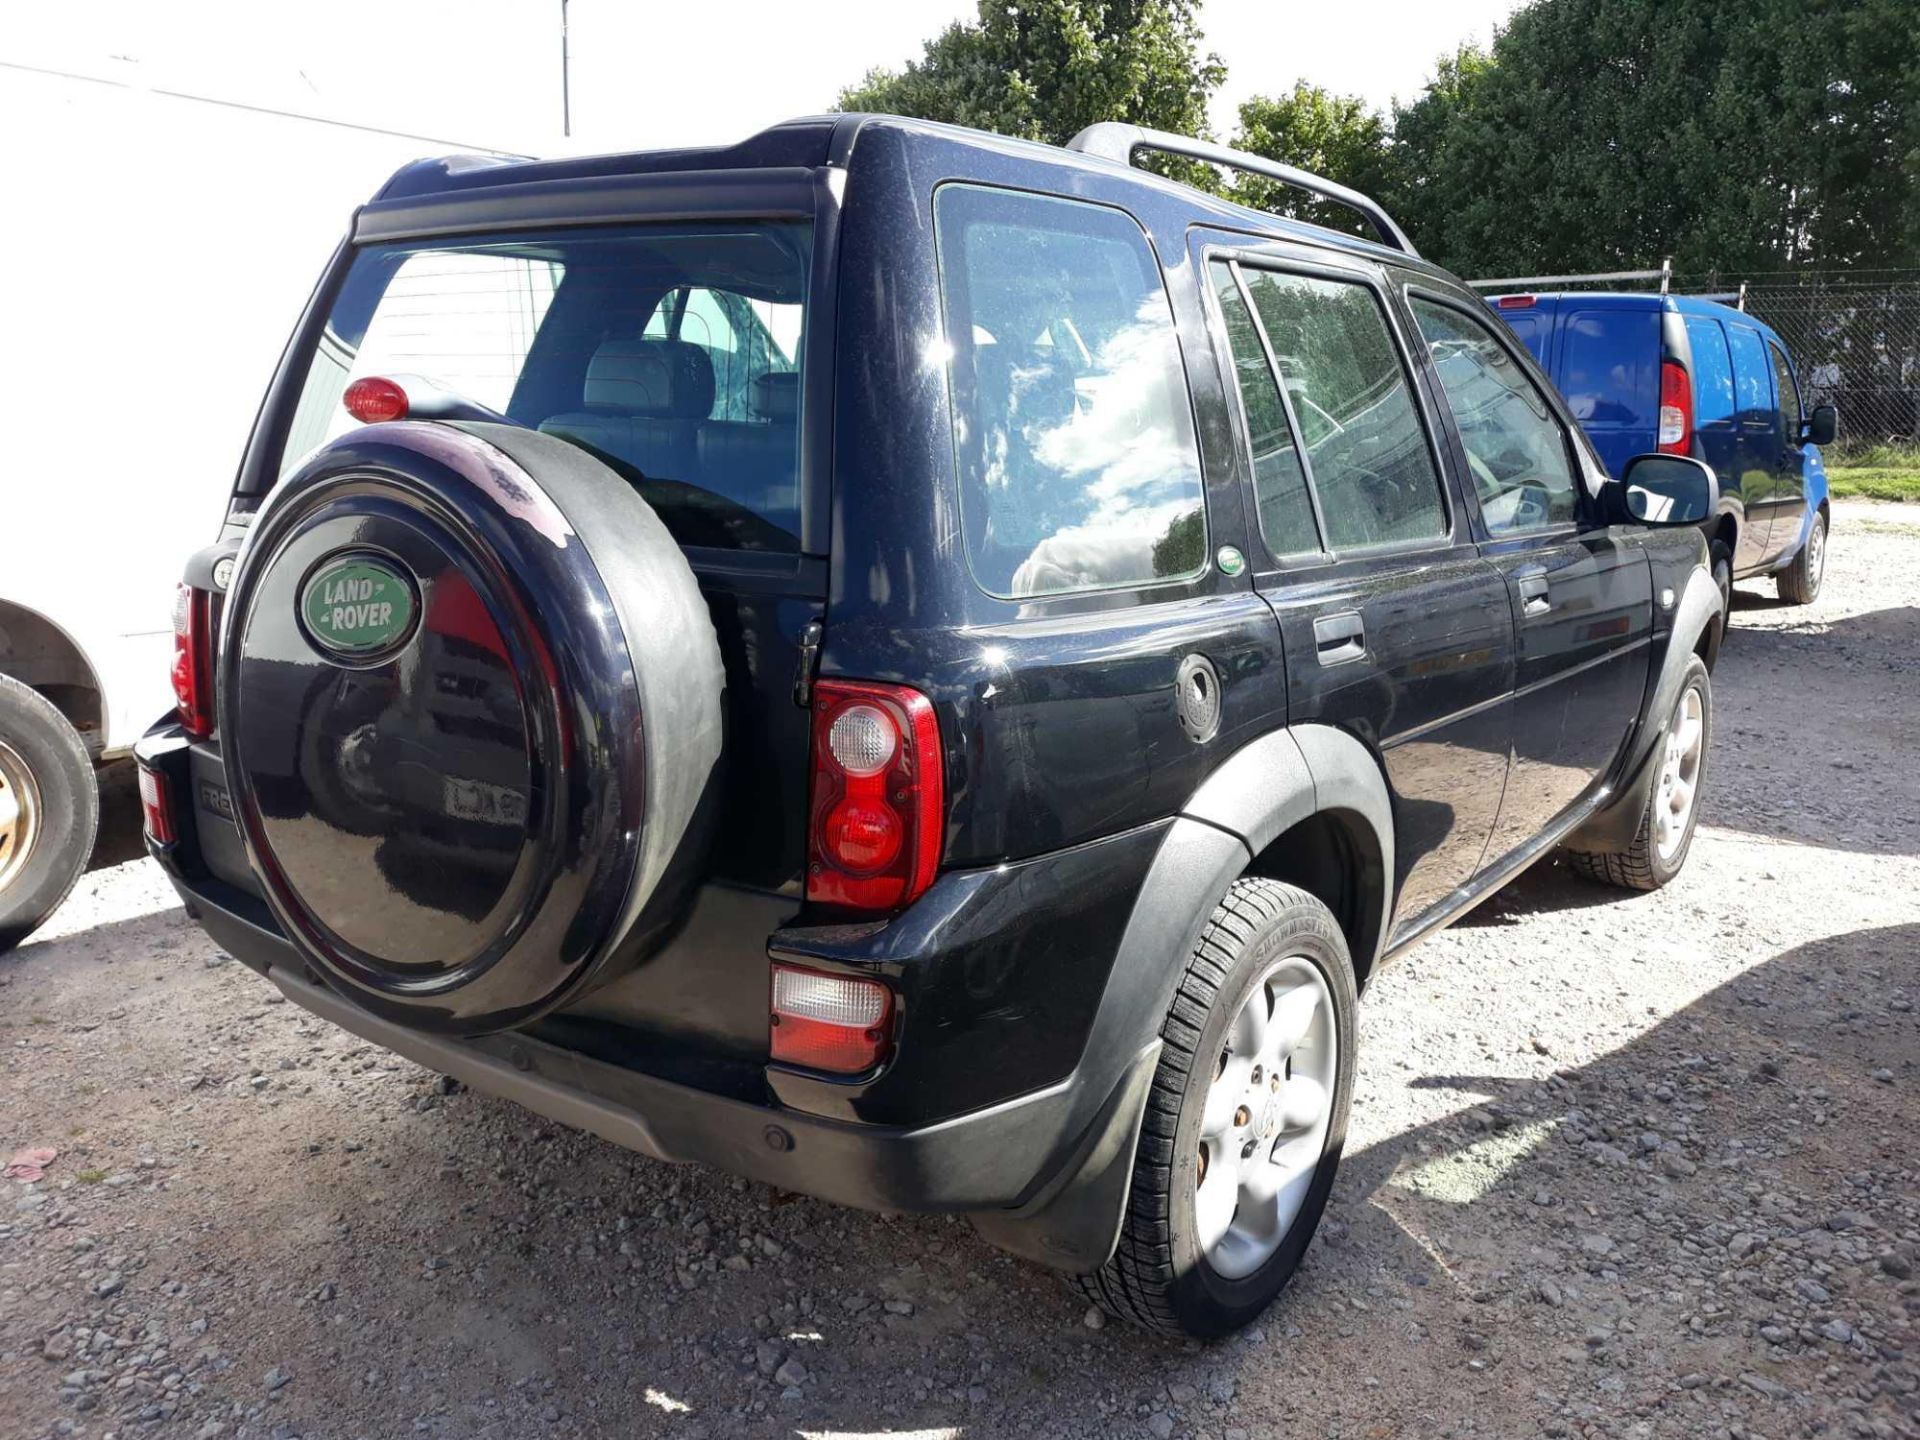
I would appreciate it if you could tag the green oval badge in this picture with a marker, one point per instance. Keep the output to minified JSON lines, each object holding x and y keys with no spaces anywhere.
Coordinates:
{"x":357,"y":605}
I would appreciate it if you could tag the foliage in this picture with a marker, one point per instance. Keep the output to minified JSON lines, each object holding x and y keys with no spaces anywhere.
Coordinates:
{"x":1045,"y":69}
{"x":1881,"y":472}
{"x":1605,"y":134}
{"x":1314,"y":129}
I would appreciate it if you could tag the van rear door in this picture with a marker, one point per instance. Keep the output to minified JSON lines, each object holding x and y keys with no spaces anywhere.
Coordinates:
{"x":1607,"y":365}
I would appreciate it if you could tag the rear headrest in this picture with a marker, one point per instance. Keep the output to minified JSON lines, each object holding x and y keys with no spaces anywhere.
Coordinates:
{"x":776,"y":395}
{"x":660,"y":379}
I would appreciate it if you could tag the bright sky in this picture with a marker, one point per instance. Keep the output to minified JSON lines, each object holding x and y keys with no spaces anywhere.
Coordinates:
{"x":487,"y":72}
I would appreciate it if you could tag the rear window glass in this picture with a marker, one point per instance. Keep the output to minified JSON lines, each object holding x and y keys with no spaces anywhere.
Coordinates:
{"x":1712,"y":372}
{"x":1367,"y":453}
{"x":672,"y":353}
{"x":1752,"y":390}
{"x":1526,"y":326}
{"x":1610,"y":366}
{"x":1072,"y":428}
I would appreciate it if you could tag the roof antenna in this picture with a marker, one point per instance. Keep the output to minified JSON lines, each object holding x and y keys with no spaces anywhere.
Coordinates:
{"x":566,"y":97}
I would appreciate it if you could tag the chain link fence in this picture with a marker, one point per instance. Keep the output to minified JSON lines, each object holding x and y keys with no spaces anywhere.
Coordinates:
{"x":1854,"y":337}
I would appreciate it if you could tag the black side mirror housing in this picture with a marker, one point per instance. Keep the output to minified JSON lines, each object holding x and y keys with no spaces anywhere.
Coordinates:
{"x":1665,"y":490}
{"x":1822,"y":426}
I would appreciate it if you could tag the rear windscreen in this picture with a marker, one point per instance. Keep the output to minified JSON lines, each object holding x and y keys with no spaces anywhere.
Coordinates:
{"x":672,"y":353}
{"x":1610,"y":366}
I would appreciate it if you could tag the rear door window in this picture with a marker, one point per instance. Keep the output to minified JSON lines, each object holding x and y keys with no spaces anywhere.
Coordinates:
{"x":1367,"y":454}
{"x":1072,"y":425}
{"x":1713,"y":402}
{"x":1610,"y":366}
{"x":1752,"y":388}
{"x":1284,"y":507}
{"x":670,"y":352}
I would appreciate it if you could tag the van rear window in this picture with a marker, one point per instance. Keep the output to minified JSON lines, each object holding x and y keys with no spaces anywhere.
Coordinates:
{"x":1610,"y":366}
{"x":1712,"y":372}
{"x":670,"y":352}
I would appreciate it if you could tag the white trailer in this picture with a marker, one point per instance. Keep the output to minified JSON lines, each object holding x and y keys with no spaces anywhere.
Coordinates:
{"x":158,"y":247}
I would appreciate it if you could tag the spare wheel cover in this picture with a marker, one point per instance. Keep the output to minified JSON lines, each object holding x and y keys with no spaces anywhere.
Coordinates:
{"x":469,"y":708}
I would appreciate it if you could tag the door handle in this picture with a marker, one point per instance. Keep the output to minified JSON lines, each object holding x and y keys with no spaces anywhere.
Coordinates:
{"x":1535,"y":597}
{"x":1340,"y":638}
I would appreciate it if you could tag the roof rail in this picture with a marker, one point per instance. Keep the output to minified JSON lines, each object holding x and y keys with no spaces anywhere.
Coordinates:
{"x":1533,"y":282}
{"x":1112,"y":140}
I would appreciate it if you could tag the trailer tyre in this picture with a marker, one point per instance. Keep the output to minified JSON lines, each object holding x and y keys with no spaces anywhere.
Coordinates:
{"x":49,"y":810}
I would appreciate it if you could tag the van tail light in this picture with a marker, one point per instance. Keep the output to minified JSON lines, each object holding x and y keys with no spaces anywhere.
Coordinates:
{"x":1676,"y":409}
{"x":829,"y":1022}
{"x":1515,"y":302}
{"x":873,"y":843}
{"x":156,"y":806}
{"x":193,"y":660}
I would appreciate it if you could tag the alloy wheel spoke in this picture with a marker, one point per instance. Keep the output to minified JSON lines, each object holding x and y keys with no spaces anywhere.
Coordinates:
{"x":1218,"y":1199}
{"x":1304,"y":1102}
{"x":1293,"y":1015}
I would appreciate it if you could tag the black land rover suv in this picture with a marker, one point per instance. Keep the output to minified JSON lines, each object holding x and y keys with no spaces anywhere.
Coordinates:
{"x":918,"y":668}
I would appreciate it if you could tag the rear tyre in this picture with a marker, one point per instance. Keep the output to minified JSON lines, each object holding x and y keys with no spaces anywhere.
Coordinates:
{"x":1799,"y":583}
{"x":49,"y":810}
{"x":1245,"y":1120}
{"x":1665,"y":833}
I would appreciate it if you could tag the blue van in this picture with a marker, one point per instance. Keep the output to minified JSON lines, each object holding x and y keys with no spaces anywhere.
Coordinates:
{"x":1690,"y":377}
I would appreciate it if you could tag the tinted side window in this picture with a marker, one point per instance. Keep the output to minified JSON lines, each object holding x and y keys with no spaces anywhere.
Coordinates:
{"x":1279,"y":482}
{"x":1610,"y":366}
{"x":1526,"y":325}
{"x":1515,"y":447}
{"x":1753,"y":393}
{"x":1783,"y":389}
{"x":1073,"y":429}
{"x":1712,"y":373}
{"x":1366,"y":448}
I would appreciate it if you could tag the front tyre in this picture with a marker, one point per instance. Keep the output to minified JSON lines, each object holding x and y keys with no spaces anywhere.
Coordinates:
{"x":1799,"y":583}
{"x":49,"y":810}
{"x":1665,"y":832}
{"x":1245,"y":1120}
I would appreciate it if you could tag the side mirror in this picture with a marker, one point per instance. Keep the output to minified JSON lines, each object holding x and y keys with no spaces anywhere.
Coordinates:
{"x":1668,"y":490}
{"x":1822,"y":425}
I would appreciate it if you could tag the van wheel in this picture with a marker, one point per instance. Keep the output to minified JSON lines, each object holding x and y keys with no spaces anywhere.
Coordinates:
{"x":1665,"y":833}
{"x":1799,"y":583}
{"x":1245,"y":1120}
{"x":49,"y":810}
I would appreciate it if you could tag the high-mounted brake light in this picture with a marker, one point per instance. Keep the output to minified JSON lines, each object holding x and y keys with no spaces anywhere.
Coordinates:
{"x":874,"y":840}
{"x":1515,"y":302}
{"x":829,"y":1022}
{"x":1676,"y":409}
{"x":192,"y":657}
{"x":156,"y":806}
{"x":374,"y":398}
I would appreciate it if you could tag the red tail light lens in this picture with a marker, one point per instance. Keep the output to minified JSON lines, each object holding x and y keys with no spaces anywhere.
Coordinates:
{"x":874,"y":841}
{"x":1676,"y":409}
{"x":829,"y":1022}
{"x":156,"y":807}
{"x":192,"y":660}
{"x":1515,"y":302}
{"x":374,"y":398}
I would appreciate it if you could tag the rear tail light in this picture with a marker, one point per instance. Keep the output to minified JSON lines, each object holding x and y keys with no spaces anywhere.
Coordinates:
{"x":1515,"y":302}
{"x":874,"y":841}
{"x":156,"y":806}
{"x":830,"y":1022}
{"x":192,"y":660}
{"x":374,"y":398}
{"x":1676,"y":409}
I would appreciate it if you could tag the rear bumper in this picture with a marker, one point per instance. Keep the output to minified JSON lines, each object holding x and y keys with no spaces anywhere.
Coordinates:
{"x":1042,"y":1169}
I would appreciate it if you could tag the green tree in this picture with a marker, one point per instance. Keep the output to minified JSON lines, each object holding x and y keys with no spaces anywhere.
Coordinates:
{"x":1337,"y":136}
{"x":1602,"y":134}
{"x":1045,"y":69}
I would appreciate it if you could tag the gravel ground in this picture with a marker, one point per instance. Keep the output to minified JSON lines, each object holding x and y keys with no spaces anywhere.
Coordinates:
{"x":1621,"y":1166}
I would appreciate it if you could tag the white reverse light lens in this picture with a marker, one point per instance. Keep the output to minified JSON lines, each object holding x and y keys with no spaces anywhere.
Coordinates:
{"x":829,"y":999}
{"x":862,"y":739}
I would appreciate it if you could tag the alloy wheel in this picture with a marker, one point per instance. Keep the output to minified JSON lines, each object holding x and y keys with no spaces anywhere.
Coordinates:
{"x":1680,"y":773}
{"x":1265,"y":1122}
